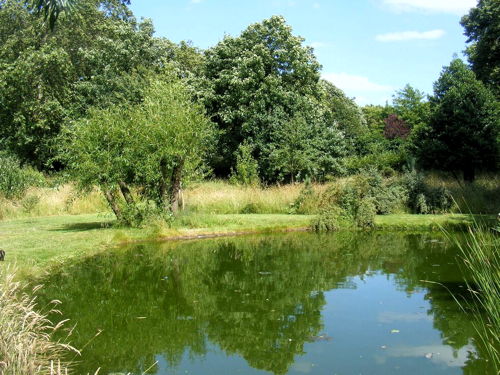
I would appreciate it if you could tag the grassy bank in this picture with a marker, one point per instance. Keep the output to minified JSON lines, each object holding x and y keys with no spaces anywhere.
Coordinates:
{"x":35,"y":243}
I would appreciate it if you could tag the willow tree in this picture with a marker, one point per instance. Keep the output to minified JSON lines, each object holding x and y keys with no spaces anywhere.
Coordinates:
{"x":152,"y":146}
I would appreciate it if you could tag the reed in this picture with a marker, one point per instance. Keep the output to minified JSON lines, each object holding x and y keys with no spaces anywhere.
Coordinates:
{"x":481,"y":255}
{"x":26,"y":346}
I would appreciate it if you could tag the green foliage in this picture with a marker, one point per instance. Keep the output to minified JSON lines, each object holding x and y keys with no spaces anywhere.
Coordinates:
{"x":410,"y":104}
{"x":48,"y":79}
{"x":153,"y":146}
{"x":306,"y":202}
{"x":247,"y":169}
{"x":464,"y":129}
{"x":254,"y":83}
{"x":16,"y":179}
{"x":328,"y":220}
{"x":365,"y":213}
{"x":482,"y":28}
{"x":343,"y":112}
{"x":425,"y":199}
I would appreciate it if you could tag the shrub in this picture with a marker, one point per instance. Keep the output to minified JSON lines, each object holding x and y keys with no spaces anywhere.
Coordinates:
{"x":425,"y":199}
{"x":15,"y":179}
{"x":365,"y":213}
{"x":247,"y":168}
{"x":328,"y":220}
{"x":142,"y":213}
{"x":306,"y":201}
{"x":250,"y":208}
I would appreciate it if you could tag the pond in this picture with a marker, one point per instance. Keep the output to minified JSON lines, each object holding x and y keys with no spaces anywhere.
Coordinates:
{"x":296,"y":303}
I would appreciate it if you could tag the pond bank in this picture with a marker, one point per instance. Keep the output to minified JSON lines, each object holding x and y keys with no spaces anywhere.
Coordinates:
{"x":33,"y":244}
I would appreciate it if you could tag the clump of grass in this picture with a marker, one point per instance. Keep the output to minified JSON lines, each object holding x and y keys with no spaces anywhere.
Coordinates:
{"x":481,"y":254}
{"x":26,"y":346}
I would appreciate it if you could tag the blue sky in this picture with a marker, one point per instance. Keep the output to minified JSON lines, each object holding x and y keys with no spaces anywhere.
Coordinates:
{"x":368,"y":48}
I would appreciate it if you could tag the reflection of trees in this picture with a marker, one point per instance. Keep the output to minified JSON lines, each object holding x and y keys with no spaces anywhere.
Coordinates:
{"x":258,"y":297}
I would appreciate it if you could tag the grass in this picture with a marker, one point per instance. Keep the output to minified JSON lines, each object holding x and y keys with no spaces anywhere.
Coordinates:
{"x":481,"y":254}
{"x":26,"y":345}
{"x":33,"y":244}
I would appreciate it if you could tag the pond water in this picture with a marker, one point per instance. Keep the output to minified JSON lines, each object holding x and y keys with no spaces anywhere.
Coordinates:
{"x":297,"y":303}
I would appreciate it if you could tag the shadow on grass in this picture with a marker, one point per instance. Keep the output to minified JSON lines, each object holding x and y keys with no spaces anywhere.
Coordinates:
{"x":83,"y":227}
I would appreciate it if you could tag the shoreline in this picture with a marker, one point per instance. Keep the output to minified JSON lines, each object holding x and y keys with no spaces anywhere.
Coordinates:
{"x":34,"y":244}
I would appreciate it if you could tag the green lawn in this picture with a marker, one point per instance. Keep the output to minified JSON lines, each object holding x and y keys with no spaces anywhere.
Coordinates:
{"x":34,"y":243}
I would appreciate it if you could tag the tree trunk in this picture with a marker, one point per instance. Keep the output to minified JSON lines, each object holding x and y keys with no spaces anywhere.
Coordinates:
{"x":111,"y":198}
{"x":175,"y":186}
{"x":163,"y":193}
{"x":469,"y":173}
{"x":170,"y":185}
{"x":126,"y":193}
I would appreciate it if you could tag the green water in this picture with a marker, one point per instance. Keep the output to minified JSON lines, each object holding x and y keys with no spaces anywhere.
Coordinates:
{"x":348,"y":303}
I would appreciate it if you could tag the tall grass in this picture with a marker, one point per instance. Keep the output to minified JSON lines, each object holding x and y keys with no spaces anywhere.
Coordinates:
{"x":45,"y":201}
{"x":219,"y":197}
{"x":26,"y":346}
{"x":480,"y":197}
{"x":481,"y":255}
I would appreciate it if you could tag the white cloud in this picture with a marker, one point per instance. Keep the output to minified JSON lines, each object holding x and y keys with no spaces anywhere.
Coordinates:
{"x":353,"y":82}
{"x":360,"y":87}
{"x":409,"y":35}
{"x":459,"y":7}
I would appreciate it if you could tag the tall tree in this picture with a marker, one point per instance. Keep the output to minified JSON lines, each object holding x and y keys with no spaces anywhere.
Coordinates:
{"x":48,"y":78}
{"x":254,"y":83}
{"x":410,"y":104}
{"x":464,"y":129}
{"x":482,"y":28}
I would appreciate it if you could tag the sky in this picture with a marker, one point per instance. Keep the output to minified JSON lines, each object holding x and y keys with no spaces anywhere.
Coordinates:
{"x":368,"y":48}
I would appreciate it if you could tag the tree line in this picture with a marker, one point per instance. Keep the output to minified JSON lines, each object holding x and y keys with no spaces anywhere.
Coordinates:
{"x":94,"y":93}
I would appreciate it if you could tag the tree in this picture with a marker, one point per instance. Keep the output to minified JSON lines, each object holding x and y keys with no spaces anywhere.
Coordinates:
{"x":464,"y":128}
{"x":411,"y":106}
{"x":50,"y":78}
{"x":154,"y":145}
{"x":343,"y":112}
{"x":482,"y":28}
{"x":395,"y":128}
{"x":52,"y":9}
{"x":254,"y":83}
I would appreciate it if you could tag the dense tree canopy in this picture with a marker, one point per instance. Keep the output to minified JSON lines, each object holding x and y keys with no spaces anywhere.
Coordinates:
{"x":464,"y":128}
{"x":254,"y":83}
{"x":48,"y":78}
{"x":482,"y":28}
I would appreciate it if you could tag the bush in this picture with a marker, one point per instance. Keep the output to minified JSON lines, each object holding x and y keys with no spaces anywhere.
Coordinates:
{"x":425,"y":199}
{"x":305,"y":203}
{"x":328,"y":220}
{"x":142,"y":213}
{"x":251,"y":208}
{"x":247,"y":168}
{"x":365,"y":214}
{"x":15,"y":179}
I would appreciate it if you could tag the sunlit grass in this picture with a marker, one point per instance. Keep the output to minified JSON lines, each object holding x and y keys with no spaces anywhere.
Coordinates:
{"x":481,"y":254}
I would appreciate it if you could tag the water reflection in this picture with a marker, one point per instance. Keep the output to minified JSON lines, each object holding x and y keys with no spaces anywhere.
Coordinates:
{"x":291,"y":303}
